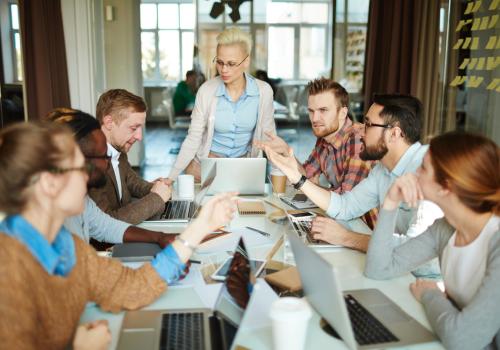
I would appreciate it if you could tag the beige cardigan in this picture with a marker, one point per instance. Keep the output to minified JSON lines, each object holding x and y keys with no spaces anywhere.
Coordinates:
{"x":199,"y":139}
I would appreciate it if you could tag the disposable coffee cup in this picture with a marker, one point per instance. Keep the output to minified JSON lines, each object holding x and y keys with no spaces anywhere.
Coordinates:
{"x":185,"y":186}
{"x":278,"y":179}
{"x":290,"y":317}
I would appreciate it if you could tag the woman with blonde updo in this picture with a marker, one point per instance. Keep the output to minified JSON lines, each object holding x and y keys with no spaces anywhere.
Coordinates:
{"x":461,"y":174}
{"x":231,"y":110}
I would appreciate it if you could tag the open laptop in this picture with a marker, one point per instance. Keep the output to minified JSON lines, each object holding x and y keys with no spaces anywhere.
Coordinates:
{"x":247,"y":176}
{"x":193,"y":329}
{"x":365,"y":318}
{"x":184,"y":210}
{"x":301,"y":222}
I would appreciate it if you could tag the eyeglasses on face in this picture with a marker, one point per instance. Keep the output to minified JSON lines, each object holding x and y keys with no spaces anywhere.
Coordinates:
{"x":86,"y":168}
{"x":369,"y":124}
{"x":229,"y":65}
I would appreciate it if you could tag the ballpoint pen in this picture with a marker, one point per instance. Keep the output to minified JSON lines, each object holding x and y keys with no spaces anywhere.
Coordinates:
{"x":259,"y":231}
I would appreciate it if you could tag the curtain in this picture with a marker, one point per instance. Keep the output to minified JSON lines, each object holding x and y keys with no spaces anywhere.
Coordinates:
{"x":402,"y":54}
{"x":44,"y":56}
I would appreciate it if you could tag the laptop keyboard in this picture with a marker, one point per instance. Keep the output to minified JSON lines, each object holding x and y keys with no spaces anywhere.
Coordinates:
{"x":367,"y":329}
{"x":177,"y":210}
{"x":182,"y":331}
{"x":303,"y":228}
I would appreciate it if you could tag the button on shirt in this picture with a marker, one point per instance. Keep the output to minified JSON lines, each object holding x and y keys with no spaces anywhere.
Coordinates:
{"x":370,"y":192}
{"x":115,"y":155}
{"x":235,"y":120}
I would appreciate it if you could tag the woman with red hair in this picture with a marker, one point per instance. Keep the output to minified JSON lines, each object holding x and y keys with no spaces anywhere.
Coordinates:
{"x":461,"y":174}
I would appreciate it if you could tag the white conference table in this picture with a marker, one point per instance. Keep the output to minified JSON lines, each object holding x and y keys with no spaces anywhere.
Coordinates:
{"x":349,"y":264}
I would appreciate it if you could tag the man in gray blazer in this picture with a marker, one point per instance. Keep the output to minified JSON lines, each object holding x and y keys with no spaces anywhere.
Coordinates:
{"x":126,"y":196}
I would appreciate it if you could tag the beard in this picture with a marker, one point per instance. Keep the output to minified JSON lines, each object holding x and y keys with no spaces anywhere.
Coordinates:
{"x":325,"y":131}
{"x":376,"y":152}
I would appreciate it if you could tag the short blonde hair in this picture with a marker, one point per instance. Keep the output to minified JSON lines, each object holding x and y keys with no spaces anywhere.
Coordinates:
{"x":234,"y":35}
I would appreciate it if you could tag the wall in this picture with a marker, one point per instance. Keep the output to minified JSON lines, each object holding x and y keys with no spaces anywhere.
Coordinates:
{"x":83,"y":36}
{"x":122,"y":47}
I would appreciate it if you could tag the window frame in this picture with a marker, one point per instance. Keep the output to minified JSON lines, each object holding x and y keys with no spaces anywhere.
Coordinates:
{"x":12,"y":38}
{"x":157,"y":80}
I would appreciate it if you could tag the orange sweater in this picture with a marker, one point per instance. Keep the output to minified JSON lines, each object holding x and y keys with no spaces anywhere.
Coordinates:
{"x":41,"y":311}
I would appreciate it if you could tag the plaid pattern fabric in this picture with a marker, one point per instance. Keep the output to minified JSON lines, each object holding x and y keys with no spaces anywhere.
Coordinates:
{"x":339,"y":162}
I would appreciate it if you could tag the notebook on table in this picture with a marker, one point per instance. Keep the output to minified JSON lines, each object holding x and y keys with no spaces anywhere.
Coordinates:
{"x":251,"y":208}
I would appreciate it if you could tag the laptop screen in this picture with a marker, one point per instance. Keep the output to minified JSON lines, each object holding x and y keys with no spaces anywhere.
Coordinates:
{"x":205,"y":186}
{"x":238,"y":286}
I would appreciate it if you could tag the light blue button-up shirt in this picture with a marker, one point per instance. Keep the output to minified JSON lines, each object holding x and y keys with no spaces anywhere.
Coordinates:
{"x":235,"y":121}
{"x":370,"y":192}
{"x":94,"y":223}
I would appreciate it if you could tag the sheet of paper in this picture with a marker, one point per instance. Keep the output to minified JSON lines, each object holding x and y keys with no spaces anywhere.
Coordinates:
{"x":193,"y":279}
{"x":229,"y":242}
{"x":208,"y":293}
{"x":257,"y":312}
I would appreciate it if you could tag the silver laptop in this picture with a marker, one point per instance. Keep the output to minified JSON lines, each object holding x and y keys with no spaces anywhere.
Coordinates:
{"x":365,"y":318}
{"x":247,"y":176}
{"x":193,"y":329}
{"x":301,"y":223}
{"x":184,"y":210}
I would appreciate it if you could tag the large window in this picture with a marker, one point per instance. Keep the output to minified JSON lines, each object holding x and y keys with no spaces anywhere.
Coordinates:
{"x":292,"y":39}
{"x":350,"y":43}
{"x":167,"y":40}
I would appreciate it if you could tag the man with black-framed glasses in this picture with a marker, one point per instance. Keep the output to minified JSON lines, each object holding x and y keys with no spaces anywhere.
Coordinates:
{"x":391,"y":135}
{"x":93,"y":222}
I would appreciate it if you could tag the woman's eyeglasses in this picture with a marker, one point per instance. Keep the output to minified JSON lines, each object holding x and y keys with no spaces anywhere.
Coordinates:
{"x":86,"y":168}
{"x":229,"y":65}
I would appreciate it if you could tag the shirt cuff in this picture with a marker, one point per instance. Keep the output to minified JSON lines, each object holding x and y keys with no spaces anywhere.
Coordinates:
{"x":168,"y":265}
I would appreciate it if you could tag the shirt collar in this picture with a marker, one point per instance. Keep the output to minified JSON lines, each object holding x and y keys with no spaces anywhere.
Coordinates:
{"x":340,"y":135}
{"x":113,"y":153}
{"x":407,"y":157}
{"x":251,"y":88}
{"x":57,"y":258}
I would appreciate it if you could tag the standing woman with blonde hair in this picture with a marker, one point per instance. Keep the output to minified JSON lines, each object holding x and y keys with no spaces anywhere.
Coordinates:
{"x":231,"y":110}
{"x":461,"y":174}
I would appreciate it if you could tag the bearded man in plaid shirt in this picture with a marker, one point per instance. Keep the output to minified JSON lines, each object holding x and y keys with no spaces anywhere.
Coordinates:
{"x":338,"y":145}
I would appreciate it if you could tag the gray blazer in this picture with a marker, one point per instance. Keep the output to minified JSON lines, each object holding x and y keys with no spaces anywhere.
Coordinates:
{"x":476,"y":326}
{"x":138,"y":203}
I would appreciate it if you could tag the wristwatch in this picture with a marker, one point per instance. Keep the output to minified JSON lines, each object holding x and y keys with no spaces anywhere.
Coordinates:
{"x":301,"y":182}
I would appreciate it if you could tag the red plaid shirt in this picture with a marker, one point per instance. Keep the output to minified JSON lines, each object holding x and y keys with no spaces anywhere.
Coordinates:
{"x":340,"y":162}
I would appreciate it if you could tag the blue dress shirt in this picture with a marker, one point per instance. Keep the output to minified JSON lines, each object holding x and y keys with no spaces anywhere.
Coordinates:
{"x":235,"y":121}
{"x":370,"y":192}
{"x":57,"y":258}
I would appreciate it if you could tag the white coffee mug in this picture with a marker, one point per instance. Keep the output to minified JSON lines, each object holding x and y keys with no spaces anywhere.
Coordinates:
{"x":185,"y":186}
{"x":290,"y":317}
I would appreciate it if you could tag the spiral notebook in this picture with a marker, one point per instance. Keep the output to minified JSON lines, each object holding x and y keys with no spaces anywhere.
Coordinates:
{"x":251,"y":208}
